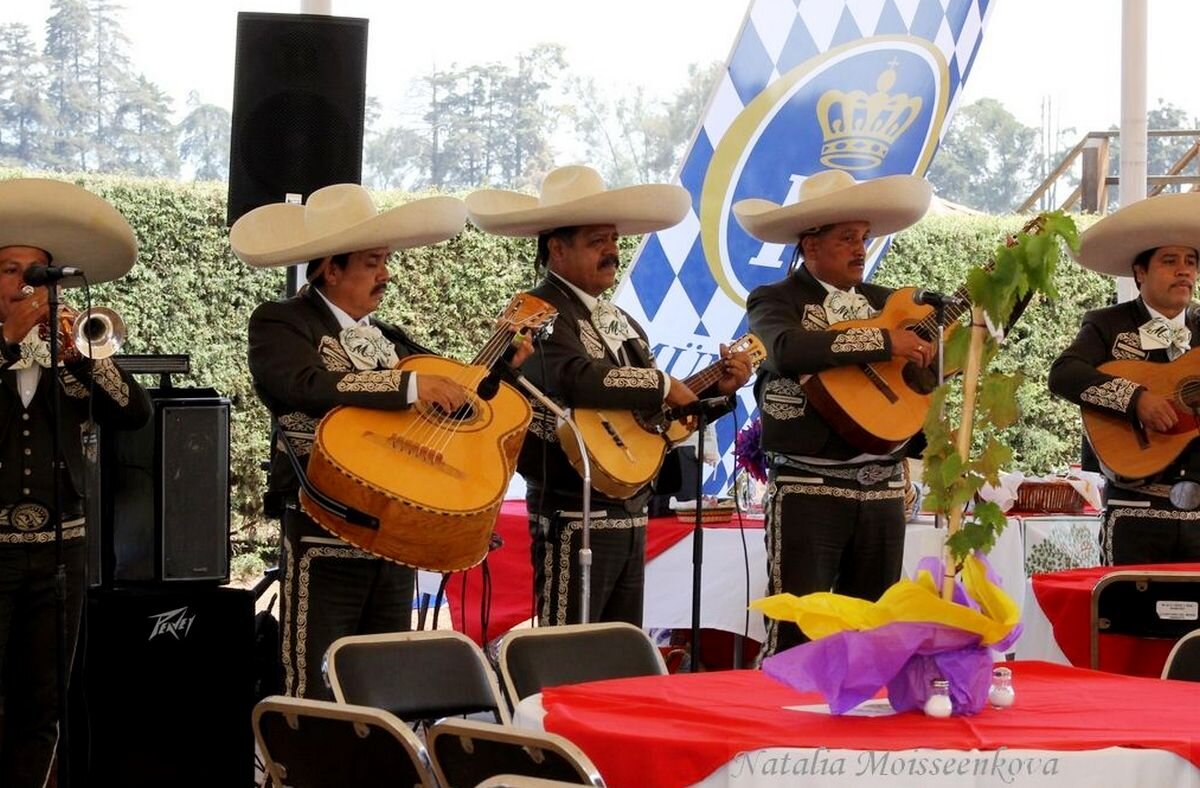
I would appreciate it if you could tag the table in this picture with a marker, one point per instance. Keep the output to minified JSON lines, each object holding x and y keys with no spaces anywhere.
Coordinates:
{"x":734,"y":573}
{"x":1057,"y":619}
{"x":1068,"y":726}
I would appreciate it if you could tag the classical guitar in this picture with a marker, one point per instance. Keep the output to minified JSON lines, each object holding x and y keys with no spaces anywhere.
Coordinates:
{"x":877,"y":407}
{"x":430,"y":482}
{"x":1128,"y":449}
{"x":626,"y":448}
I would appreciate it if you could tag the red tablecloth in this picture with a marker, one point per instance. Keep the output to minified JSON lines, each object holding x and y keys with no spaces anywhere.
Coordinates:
{"x":1066,"y":597}
{"x":678,"y":729}
{"x":511,"y":574}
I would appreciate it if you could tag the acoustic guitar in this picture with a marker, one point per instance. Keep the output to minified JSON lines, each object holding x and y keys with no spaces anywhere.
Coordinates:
{"x":626,"y":448}
{"x":877,"y":407}
{"x":1128,"y":449}
{"x":432,"y":480}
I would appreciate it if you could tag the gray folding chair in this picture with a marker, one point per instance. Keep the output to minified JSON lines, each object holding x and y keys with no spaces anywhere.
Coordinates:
{"x":467,"y":752}
{"x":1152,"y":604}
{"x":318,"y":744}
{"x":531,"y":659}
{"x":1183,"y":663}
{"x":418,"y":676}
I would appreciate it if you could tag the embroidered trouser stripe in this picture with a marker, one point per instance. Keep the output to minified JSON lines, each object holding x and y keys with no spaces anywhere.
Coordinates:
{"x":830,"y":535}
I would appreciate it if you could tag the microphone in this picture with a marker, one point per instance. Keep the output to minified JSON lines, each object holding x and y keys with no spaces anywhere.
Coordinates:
{"x":38,"y":275}
{"x":931,"y":298}
{"x":490,"y":385}
{"x":712,"y":408}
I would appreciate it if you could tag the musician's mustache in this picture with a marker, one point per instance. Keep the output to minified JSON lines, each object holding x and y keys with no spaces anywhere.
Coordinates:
{"x":379,"y":289}
{"x":612,"y":260}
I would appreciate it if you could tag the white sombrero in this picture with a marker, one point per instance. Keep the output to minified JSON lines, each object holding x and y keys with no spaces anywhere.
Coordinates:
{"x":575,"y":196}
{"x":74,"y":226}
{"x":1109,"y":245}
{"x":828,"y":197}
{"x":340,"y":218}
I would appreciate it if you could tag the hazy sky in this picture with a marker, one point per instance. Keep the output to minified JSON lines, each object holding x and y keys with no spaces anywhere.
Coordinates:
{"x":1065,"y":50}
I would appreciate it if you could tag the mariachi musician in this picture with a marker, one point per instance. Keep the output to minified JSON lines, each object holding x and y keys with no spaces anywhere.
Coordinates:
{"x":1156,"y":241}
{"x":835,"y":514}
{"x":319,"y":349}
{"x":44,"y":222}
{"x":596,"y":357}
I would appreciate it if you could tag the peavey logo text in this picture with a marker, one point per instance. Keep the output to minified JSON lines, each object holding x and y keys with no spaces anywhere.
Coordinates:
{"x":176,"y":623}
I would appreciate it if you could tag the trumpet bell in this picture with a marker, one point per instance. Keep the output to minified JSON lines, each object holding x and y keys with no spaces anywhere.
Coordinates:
{"x":98,"y":332}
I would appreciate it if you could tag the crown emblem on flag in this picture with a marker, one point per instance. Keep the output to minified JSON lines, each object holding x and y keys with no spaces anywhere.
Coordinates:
{"x":859,"y":127}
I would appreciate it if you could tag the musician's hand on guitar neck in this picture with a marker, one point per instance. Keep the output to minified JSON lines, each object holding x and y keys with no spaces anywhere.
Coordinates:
{"x":735,"y":370}
{"x":678,"y":395}
{"x":524,"y":349}
{"x":1156,"y":412}
{"x":441,"y":391}
{"x":907,"y":344}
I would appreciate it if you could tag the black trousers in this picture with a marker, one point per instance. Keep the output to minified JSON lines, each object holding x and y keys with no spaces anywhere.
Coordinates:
{"x":830,"y":534}
{"x":1149,"y":535}
{"x":618,"y":543}
{"x":29,"y":654}
{"x":330,"y":590}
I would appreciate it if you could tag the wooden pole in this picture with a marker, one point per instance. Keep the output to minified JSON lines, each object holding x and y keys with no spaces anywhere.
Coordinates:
{"x":970,"y":389}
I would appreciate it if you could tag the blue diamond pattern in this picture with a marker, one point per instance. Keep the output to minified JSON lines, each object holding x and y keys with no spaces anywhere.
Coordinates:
{"x":890,"y":22}
{"x":696,"y":165}
{"x":847,"y":30}
{"x":956,"y":15}
{"x":750,"y":66}
{"x":652,"y":276}
{"x":927,"y":20}
{"x":798,"y":48}
{"x":697,"y":279}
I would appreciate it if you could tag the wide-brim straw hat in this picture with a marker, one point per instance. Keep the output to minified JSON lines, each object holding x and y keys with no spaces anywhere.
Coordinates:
{"x":575,"y":196}
{"x":889,"y":204}
{"x":75,"y":227}
{"x":1110,"y":245}
{"x":337,"y":219}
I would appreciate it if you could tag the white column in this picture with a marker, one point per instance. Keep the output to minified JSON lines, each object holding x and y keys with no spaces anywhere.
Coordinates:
{"x":1133,"y":116}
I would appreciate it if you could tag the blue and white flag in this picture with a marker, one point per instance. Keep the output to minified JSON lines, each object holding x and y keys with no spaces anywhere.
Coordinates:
{"x":867,"y":86}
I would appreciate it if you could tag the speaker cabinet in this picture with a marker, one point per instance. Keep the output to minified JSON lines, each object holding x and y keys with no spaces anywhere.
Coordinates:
{"x":165,"y":493}
{"x":299,"y":97}
{"x":164,"y":688}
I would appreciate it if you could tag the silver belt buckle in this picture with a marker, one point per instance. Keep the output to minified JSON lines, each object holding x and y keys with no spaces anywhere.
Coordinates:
{"x":873,"y":474}
{"x":28,"y":516}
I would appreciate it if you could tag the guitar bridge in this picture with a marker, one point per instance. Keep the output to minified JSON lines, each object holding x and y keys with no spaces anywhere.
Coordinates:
{"x":426,"y":454}
{"x":616,"y":436}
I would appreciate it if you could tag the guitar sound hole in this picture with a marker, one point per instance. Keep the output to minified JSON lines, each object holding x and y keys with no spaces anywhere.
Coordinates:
{"x":1189,"y":394}
{"x":650,"y":421}
{"x":464,"y":413}
{"x":922,"y":380}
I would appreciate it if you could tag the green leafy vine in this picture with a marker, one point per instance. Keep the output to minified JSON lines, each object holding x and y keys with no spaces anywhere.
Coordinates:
{"x":1021,"y":268}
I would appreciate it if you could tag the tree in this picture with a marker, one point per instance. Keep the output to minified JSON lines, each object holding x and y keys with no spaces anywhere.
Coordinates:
{"x":984,"y":160}
{"x":25,"y":115}
{"x":142,"y":138}
{"x":68,"y":54}
{"x":635,"y":139}
{"x":204,"y":139}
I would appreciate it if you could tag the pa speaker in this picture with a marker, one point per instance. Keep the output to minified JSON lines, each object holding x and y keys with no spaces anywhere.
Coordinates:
{"x":164,"y":688}
{"x":165,"y":493}
{"x":299,"y":97}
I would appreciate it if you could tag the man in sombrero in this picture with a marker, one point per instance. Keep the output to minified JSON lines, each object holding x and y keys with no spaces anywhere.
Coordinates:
{"x":45,"y":222}
{"x":1156,"y":242}
{"x":596,"y":357}
{"x":835,"y":517}
{"x":320,"y":349}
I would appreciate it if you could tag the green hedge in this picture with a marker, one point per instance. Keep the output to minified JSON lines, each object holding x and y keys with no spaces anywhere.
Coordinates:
{"x":189,"y":295}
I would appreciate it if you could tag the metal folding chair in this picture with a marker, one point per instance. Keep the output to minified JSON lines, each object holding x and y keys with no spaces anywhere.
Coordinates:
{"x":1143,"y":603}
{"x":467,"y":752}
{"x":318,"y":744}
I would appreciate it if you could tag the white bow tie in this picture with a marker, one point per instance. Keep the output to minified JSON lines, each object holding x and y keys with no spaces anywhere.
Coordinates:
{"x":1158,"y":332}
{"x":368,"y":348}
{"x":841,"y":305}
{"x":611,"y":322}
{"x":34,"y":350}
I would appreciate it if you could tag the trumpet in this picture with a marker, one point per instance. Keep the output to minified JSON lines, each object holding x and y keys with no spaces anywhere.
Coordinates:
{"x":94,"y":333}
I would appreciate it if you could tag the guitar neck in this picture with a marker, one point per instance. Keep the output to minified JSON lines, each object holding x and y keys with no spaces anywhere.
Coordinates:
{"x":928,"y":328}
{"x":704,"y":378}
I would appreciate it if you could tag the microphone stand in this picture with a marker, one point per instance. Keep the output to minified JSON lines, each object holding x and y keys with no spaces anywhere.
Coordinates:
{"x":60,"y":567}
{"x":938,"y":520}
{"x":698,"y":541}
{"x":585,"y":549}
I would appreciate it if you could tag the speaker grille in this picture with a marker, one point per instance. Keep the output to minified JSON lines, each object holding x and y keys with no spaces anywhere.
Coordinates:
{"x":299,"y":99}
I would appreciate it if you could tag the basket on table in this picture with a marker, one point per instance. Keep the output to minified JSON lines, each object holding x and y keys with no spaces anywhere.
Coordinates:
{"x":1054,"y":496}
